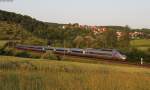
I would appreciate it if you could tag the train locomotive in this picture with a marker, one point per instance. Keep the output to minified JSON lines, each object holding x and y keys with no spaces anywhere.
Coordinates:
{"x":91,"y":53}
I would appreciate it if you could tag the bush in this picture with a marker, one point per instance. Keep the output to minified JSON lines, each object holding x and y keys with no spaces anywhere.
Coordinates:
{"x":35,"y":55}
{"x":27,"y":54}
{"x":49,"y":55}
{"x":20,"y":53}
{"x":134,"y":55}
{"x":23,"y":54}
{"x":34,"y":41}
{"x":1,"y":52}
{"x":9,"y":51}
{"x":148,"y":49}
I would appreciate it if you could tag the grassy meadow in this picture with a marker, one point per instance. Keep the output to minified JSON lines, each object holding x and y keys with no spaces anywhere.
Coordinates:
{"x":35,"y":74}
{"x":2,"y":43}
{"x":141,"y":44}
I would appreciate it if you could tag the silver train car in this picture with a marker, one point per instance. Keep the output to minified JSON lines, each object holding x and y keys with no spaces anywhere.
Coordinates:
{"x":106,"y":53}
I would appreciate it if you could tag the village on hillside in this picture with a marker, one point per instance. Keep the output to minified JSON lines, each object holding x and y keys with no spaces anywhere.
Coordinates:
{"x":134,"y":34}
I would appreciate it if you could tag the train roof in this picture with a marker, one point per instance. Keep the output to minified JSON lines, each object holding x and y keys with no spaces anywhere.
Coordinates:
{"x":102,"y":49}
{"x":108,"y":49}
{"x":30,"y":46}
{"x":76,"y":49}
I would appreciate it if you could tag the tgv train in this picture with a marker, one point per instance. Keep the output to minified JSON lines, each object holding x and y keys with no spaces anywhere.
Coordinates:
{"x":92,"y":53}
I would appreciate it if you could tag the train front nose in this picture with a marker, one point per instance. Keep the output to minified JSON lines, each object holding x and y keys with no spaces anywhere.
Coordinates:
{"x":123,"y":57}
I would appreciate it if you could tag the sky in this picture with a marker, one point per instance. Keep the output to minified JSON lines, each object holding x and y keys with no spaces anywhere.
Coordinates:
{"x":135,"y":13}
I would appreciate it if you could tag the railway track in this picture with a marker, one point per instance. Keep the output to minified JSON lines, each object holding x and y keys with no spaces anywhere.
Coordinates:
{"x":104,"y":60}
{"x":80,"y":53}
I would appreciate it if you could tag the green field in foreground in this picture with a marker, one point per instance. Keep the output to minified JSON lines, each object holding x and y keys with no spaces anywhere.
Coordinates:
{"x":32,"y":74}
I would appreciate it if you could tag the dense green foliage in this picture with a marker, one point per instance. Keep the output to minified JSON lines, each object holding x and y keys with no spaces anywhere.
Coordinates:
{"x":28,"y":54}
{"x":12,"y":32}
{"x":27,"y":22}
{"x":146,"y":31}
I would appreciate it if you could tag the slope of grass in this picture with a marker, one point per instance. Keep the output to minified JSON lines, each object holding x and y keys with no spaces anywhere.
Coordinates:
{"x":142,"y":44}
{"x":32,"y":74}
{"x":2,"y":43}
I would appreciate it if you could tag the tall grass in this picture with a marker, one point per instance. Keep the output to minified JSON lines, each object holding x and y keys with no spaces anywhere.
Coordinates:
{"x":32,"y":74}
{"x":141,"y":43}
{"x":2,"y":43}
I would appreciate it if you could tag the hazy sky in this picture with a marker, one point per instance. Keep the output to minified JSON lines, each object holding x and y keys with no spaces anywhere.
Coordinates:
{"x":135,"y":13}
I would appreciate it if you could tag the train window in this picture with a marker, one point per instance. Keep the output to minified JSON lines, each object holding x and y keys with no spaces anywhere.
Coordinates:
{"x":101,"y":53}
{"x":77,"y":51}
{"x":59,"y":50}
{"x":50,"y":49}
{"x":106,"y":50}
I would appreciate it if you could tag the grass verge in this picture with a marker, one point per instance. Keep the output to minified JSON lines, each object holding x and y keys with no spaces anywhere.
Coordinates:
{"x":33,"y":74}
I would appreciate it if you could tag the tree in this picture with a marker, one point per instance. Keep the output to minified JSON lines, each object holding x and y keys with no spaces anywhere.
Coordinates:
{"x":99,"y":42}
{"x":124,"y":41}
{"x":88,"y":41}
{"x":78,"y":40}
{"x":108,"y":39}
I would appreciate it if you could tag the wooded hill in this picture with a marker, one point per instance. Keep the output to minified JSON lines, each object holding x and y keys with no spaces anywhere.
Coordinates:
{"x":11,"y":24}
{"x":43,"y":30}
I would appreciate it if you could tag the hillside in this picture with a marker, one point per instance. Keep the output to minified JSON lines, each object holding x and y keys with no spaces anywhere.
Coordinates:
{"x":39,"y":29}
{"x":27,"y":22}
{"x":54,"y":31}
{"x":15,"y":32}
{"x":142,"y":44}
{"x":23,"y":26}
{"x":32,"y":74}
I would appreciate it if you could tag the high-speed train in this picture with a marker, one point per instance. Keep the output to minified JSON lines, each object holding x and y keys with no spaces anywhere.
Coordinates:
{"x":92,"y":53}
